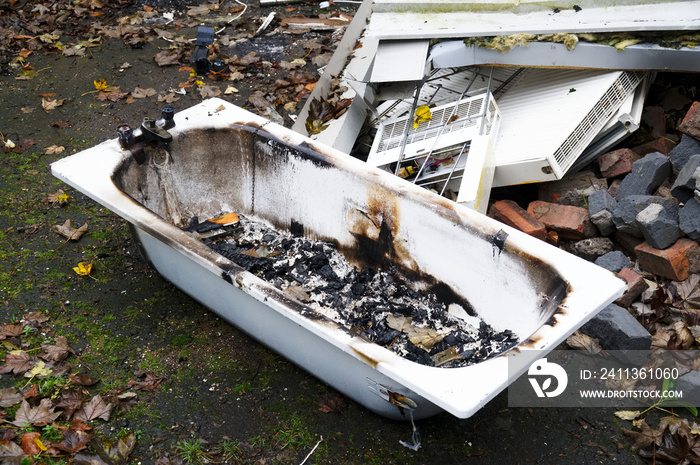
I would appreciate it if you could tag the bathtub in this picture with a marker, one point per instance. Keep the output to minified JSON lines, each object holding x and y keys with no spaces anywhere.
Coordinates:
{"x":224,"y":159}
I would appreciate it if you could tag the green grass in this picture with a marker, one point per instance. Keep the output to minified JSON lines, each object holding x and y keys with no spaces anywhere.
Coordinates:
{"x":192,"y":451}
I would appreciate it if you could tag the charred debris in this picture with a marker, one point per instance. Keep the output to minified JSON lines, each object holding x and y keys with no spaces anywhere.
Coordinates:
{"x":382,"y":305}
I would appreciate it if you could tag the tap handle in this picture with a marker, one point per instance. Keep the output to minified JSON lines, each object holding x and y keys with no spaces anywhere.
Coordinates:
{"x":168,"y":114}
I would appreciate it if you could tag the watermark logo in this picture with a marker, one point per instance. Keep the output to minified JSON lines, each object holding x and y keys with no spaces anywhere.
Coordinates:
{"x":546,"y":371}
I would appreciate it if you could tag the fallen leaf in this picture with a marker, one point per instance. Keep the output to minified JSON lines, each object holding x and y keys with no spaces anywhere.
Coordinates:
{"x":29,"y":445}
{"x":114,"y":95}
{"x":102,"y":86}
{"x":68,"y":231}
{"x":209,"y":91}
{"x":41,"y":415}
{"x":83,"y":268}
{"x":32,"y":392}
{"x":94,"y":409}
{"x":17,"y":362}
{"x":581,"y":341}
{"x":298,"y":293}
{"x":230,"y":90}
{"x":425,"y":338}
{"x":628,"y":414}
{"x":39,"y":370}
{"x":10,"y":397}
{"x":8,"y":331}
{"x":35,"y":318}
{"x":168,"y":97}
{"x":168,"y":58}
{"x":12,"y":452}
{"x":114,"y":453}
{"x":23,"y":146}
{"x":56,"y":352}
{"x":200,"y":10}
{"x":150,"y":383}
{"x":54,"y":149}
{"x":646,"y":436}
{"x":59,"y":198}
{"x":83,"y":379}
{"x":48,"y":104}
{"x":143,"y":93}
{"x":26,"y":110}
{"x":61,"y":124}
{"x":73,"y":441}
{"x":70,"y":402}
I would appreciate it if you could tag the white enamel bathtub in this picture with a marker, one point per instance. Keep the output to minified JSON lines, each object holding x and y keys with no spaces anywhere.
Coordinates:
{"x":225,"y":159}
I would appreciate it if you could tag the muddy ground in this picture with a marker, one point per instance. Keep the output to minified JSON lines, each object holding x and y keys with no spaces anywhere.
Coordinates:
{"x":218,"y":386}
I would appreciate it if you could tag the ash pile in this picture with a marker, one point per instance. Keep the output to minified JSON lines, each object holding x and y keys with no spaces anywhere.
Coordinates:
{"x":381,"y":305}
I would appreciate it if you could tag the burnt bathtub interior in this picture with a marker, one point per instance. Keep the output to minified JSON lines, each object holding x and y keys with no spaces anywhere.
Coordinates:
{"x":373,"y":220}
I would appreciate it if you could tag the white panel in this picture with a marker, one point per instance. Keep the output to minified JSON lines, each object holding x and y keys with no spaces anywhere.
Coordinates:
{"x":400,"y":60}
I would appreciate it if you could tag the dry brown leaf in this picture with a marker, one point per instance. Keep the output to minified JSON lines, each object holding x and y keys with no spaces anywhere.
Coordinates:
{"x":8,"y":331}
{"x":56,"y":352}
{"x":48,"y":104}
{"x":73,"y":441}
{"x":71,"y":401}
{"x":9,"y":397}
{"x":94,"y":409}
{"x":54,"y":149}
{"x":209,"y":91}
{"x":68,"y":231}
{"x":425,"y":338}
{"x":40,"y":415}
{"x":684,"y":337}
{"x":646,"y":436}
{"x":83,"y":379}
{"x":17,"y":362}
{"x":143,"y":93}
{"x":581,"y":341}
{"x":29,"y":445}
{"x":168,"y":58}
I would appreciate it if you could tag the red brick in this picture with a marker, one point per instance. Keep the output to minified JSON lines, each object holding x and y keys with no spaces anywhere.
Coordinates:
{"x":635,"y":286}
{"x":662,"y":144}
{"x":512,"y":214}
{"x":691,"y":123}
{"x":568,"y":221}
{"x":675,"y":262}
{"x":628,"y":242}
{"x":617,"y":163}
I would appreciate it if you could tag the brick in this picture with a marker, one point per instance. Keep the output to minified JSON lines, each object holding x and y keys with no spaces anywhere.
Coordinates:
{"x":617,"y":163}
{"x":512,"y":214}
{"x":614,"y":187}
{"x":636,"y":285}
{"x":691,"y":122}
{"x":676,"y":262}
{"x":647,"y":175}
{"x":616,"y":329}
{"x":568,"y":221}
{"x":662,"y":145}
{"x":627,"y":242}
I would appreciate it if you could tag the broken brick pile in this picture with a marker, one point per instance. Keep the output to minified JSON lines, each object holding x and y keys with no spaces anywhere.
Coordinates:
{"x":636,"y":214}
